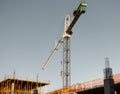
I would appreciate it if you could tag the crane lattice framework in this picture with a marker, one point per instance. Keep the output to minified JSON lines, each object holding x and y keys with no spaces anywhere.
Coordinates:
{"x":65,"y":39}
{"x":66,"y":55}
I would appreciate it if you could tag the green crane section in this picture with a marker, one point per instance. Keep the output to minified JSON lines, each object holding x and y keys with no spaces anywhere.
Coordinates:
{"x":77,"y":13}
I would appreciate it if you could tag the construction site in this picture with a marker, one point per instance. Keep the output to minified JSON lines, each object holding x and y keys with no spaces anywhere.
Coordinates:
{"x":109,"y":84}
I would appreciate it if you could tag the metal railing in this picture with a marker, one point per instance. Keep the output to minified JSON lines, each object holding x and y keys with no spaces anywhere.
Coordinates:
{"x":86,"y":85}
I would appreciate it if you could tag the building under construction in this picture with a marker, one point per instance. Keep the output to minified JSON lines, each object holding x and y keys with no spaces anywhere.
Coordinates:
{"x":91,"y":87}
{"x":11,"y":85}
{"x":110,"y":84}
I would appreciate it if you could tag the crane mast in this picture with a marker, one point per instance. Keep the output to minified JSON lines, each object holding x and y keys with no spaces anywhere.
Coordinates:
{"x":65,"y":39}
{"x":66,"y":55}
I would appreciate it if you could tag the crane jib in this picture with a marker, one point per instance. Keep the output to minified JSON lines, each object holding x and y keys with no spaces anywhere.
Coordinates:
{"x":53,"y":52}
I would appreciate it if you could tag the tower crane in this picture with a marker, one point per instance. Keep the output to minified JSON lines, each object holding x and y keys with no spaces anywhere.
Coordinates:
{"x":65,"y":40}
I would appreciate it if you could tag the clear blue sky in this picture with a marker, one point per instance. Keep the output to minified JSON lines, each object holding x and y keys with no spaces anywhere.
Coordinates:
{"x":29,"y":29}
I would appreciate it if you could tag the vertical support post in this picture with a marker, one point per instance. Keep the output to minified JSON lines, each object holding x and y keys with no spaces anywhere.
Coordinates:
{"x":14,"y":74}
{"x":12,"y":87}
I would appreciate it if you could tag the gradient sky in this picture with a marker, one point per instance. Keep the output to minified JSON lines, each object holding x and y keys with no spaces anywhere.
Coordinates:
{"x":29,"y":29}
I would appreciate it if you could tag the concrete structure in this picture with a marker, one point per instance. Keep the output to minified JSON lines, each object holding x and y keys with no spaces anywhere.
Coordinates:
{"x":18,"y":86}
{"x":91,"y":87}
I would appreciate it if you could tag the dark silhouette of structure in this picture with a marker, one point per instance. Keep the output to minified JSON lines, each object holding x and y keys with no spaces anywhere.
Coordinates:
{"x":108,"y":79}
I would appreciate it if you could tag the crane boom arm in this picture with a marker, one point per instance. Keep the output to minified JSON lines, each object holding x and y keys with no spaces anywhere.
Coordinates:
{"x":53,"y":52}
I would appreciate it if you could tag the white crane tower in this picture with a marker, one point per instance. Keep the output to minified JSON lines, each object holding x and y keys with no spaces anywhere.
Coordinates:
{"x":65,"y":39}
